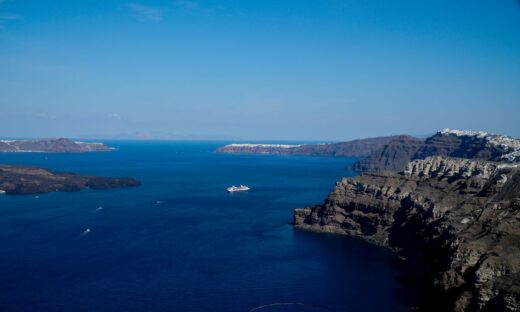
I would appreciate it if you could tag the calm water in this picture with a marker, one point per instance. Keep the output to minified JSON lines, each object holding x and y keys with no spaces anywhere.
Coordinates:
{"x":181,"y":243}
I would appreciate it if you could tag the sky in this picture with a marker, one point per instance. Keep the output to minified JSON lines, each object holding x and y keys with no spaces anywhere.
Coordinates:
{"x":326,"y":70}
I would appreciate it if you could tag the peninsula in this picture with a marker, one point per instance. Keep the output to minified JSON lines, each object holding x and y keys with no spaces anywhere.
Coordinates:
{"x":449,"y":205}
{"x":393,"y":153}
{"x":355,"y":148}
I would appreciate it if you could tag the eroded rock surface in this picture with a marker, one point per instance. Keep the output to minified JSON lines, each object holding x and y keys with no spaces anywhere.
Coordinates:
{"x":457,"y":219}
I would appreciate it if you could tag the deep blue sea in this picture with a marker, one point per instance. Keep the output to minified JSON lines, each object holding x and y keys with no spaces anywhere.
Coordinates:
{"x":180,"y":242}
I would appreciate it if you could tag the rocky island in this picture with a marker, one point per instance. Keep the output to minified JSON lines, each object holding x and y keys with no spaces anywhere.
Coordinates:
{"x":52,"y":146}
{"x":23,"y":180}
{"x":456,"y":220}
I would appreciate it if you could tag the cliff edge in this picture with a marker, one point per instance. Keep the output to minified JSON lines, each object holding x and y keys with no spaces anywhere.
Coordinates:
{"x":457,"y":220}
{"x":451,"y":143}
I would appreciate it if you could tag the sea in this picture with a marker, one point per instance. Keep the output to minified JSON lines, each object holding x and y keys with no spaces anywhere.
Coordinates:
{"x":180,"y":242}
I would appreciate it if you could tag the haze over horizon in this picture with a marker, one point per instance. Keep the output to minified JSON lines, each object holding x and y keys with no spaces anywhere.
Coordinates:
{"x":257,"y":70}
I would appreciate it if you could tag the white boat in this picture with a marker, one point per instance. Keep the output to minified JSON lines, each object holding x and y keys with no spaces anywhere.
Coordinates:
{"x":2,"y":192}
{"x":240,"y":188}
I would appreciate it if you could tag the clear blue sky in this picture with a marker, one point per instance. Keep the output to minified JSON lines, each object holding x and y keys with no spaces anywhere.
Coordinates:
{"x":258,"y":69}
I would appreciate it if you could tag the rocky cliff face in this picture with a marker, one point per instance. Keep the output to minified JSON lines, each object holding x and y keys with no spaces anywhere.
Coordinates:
{"x":393,"y":156}
{"x":392,"y":153}
{"x":466,"y":144}
{"x":458,"y":220}
{"x":453,"y":143}
{"x":22,"y":180}
{"x":51,"y":146}
{"x":355,"y":148}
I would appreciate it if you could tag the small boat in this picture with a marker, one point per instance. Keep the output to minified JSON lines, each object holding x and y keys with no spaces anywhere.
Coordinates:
{"x":2,"y":192}
{"x":240,"y":188}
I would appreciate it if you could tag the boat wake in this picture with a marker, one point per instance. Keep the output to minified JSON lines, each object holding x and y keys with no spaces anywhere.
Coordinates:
{"x":282,"y":304}
{"x":87,"y":231}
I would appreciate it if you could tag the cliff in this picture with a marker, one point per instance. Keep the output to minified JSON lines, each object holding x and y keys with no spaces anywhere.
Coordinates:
{"x":457,"y":220}
{"x":452,"y":143}
{"x":355,"y":148}
{"x":22,"y":180}
{"x":392,"y":153}
{"x":51,"y":146}
{"x":393,"y":156}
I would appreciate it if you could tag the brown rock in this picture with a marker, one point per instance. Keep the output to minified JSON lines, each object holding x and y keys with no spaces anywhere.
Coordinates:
{"x":20,"y":180}
{"x":457,"y":218}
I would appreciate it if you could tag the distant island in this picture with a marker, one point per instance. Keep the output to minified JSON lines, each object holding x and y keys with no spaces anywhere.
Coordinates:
{"x":23,"y":180}
{"x":60,"y":145}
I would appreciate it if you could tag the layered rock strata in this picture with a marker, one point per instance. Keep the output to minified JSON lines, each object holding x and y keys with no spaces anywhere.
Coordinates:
{"x":457,"y":219}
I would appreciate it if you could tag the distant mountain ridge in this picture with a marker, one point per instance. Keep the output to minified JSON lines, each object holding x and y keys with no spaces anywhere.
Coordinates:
{"x":355,"y":148}
{"x":60,"y":145}
{"x":392,"y":153}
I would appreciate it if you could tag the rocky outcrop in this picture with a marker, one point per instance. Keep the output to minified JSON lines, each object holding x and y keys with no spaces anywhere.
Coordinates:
{"x":51,"y":146}
{"x":22,"y":180}
{"x":452,"y":143}
{"x":457,"y":220}
{"x":355,"y":148}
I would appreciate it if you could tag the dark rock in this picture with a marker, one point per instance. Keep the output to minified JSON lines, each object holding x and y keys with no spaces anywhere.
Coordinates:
{"x":355,"y":148}
{"x":473,"y":147}
{"x":458,"y":220}
{"x":452,"y":143}
{"x":20,"y":180}
{"x":392,"y":153}
{"x":393,"y":156}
